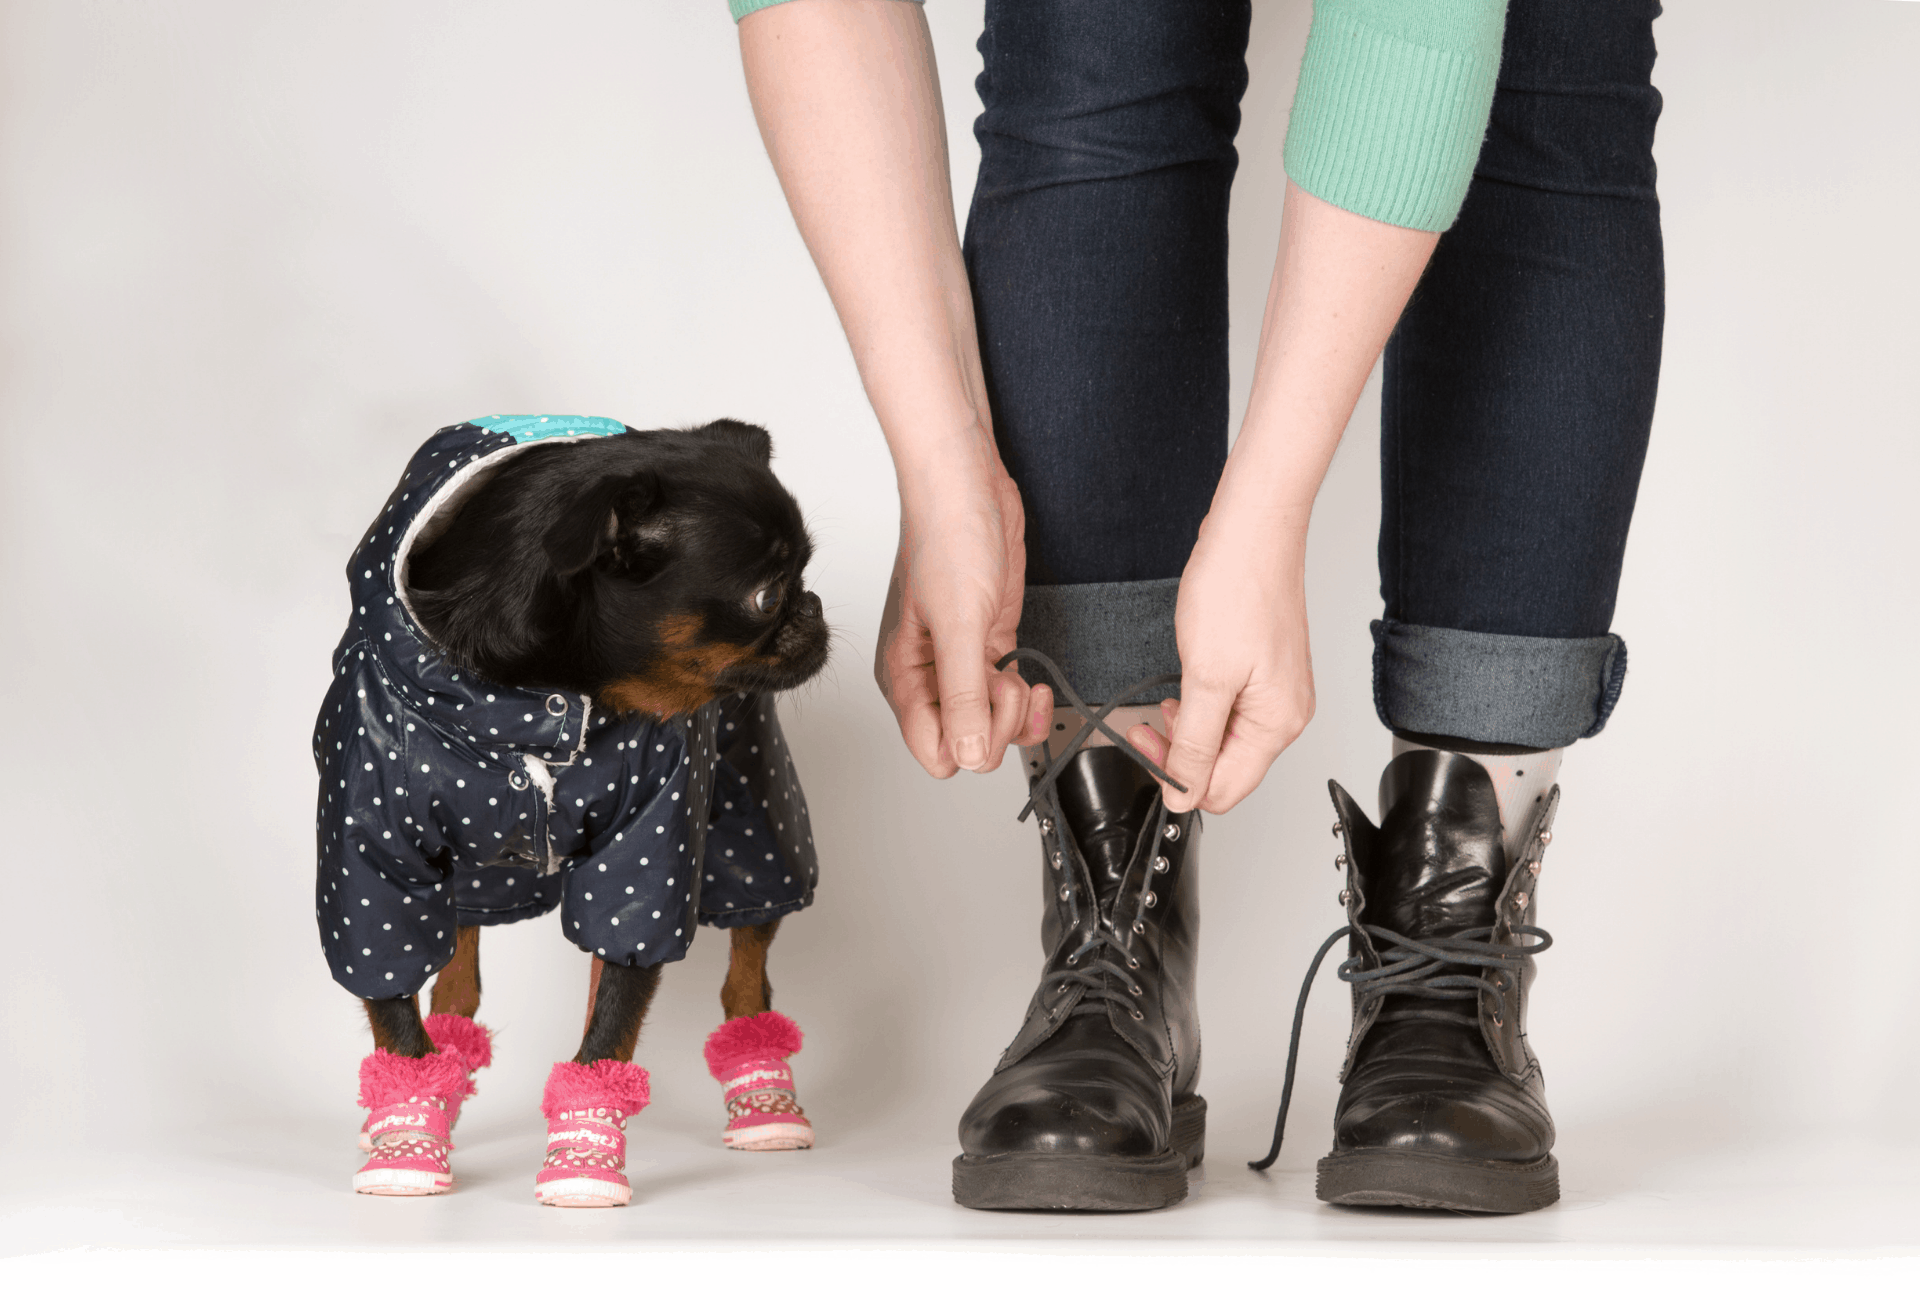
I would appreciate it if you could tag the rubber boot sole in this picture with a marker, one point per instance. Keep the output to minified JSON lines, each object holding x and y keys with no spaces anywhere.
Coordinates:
{"x":1038,"y":1180}
{"x":1420,"y":1181}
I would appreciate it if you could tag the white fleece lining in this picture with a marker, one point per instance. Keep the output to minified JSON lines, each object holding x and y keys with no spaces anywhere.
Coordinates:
{"x":543,"y":778}
{"x":441,"y":507}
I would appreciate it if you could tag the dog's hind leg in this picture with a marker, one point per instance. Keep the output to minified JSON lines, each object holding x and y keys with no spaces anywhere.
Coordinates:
{"x":396,"y":1026}
{"x":456,"y":989}
{"x":617,"y":1002}
{"x":747,"y":991}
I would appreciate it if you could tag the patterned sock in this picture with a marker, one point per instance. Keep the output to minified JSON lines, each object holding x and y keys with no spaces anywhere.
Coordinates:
{"x":1521,"y":781}
{"x":1067,"y":723}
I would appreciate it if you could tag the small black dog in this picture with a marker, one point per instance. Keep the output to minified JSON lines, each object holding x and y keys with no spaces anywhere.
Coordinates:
{"x":542,"y":609}
{"x":653,"y":571}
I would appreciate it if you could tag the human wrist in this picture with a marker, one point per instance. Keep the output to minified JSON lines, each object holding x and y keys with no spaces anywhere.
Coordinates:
{"x":942,"y":462}
{"x":1264,"y":496}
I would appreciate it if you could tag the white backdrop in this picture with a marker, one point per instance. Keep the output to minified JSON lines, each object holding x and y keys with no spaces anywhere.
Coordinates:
{"x":252,"y":253}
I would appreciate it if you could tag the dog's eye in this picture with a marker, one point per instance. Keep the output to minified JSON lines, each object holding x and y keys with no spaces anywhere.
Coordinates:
{"x":765,"y":599}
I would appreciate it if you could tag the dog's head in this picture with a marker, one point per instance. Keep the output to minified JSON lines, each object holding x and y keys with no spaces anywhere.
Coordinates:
{"x":653,"y":570}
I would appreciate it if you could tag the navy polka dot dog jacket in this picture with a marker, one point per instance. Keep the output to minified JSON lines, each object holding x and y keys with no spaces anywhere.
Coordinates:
{"x":446,"y":800}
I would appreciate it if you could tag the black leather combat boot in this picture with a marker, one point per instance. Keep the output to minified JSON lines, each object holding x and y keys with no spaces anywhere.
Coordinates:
{"x":1093,"y":1106}
{"x":1442,"y":1104}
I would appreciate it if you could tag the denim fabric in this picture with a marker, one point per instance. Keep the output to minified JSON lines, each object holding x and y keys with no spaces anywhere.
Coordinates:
{"x":1542,"y":692}
{"x":1097,"y":247}
{"x":1104,"y":635}
{"x":1520,"y":382}
{"x":1519,"y":385}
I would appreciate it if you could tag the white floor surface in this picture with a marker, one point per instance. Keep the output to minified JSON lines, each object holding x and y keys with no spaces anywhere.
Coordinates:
{"x":1624,"y":1196}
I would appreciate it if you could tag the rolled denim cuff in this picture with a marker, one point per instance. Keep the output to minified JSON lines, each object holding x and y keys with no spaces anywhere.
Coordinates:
{"x":1540,"y":691}
{"x":1104,"y":635}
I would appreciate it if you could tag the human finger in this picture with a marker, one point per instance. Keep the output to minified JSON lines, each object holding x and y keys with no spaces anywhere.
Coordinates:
{"x":966,"y":709}
{"x":1009,"y":694}
{"x":1039,"y":716}
{"x":1198,"y":727}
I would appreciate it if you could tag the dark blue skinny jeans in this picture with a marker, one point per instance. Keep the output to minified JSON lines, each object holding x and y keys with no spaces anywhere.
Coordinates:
{"x":1519,"y":384}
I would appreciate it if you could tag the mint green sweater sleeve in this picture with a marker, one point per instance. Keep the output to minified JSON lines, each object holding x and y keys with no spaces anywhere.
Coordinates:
{"x":741,"y":8}
{"x":1392,"y":105}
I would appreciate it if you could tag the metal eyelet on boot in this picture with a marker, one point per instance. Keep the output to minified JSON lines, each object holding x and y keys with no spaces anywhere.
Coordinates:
{"x":1046,"y":825}
{"x":1135,"y":990}
{"x":1161,"y":865}
{"x":1519,"y":900}
{"x":1173,"y":831}
{"x":1339,"y":861}
{"x":1546,"y":837}
{"x":1133,"y":963}
{"x":1073,"y":959}
{"x":1346,"y":896}
{"x":1139,"y":927}
{"x":1152,"y":898}
{"x":1533,"y":868}
{"x":1057,"y":860}
{"x":1138,"y":1016}
{"x":1498,"y":1022}
{"x":1066,"y":892}
{"x":1338,"y":830}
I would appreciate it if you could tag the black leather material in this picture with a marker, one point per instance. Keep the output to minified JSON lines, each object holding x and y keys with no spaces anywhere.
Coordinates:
{"x":1086,"y":1075}
{"x":1416,"y":1081}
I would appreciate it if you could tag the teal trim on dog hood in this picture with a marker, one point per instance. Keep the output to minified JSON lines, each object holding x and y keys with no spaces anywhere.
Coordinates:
{"x":532,"y":428}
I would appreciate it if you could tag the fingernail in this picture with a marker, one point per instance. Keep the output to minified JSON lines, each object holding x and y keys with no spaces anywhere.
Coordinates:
{"x":971,"y":751}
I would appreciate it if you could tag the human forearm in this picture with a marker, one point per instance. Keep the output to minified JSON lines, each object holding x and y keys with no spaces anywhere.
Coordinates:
{"x":848,"y":102}
{"x":1339,"y":283}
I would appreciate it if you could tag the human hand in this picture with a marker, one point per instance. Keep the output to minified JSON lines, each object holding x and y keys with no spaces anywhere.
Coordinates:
{"x":952,"y":611}
{"x":1246,"y":679}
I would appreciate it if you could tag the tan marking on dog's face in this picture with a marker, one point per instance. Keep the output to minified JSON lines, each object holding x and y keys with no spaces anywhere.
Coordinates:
{"x":686,"y":676}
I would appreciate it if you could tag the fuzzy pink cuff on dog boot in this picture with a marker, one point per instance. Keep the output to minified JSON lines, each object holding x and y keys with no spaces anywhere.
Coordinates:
{"x":748,"y":1055}
{"x":587,"y":1108}
{"x":410,"y":1130}
{"x":469,"y":1041}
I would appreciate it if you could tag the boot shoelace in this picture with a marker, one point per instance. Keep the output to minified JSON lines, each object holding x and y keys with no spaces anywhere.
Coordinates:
{"x":1424,"y":968}
{"x":1091,"y":961}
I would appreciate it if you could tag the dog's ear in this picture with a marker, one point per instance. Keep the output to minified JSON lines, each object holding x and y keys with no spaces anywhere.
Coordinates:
{"x":750,"y":438}
{"x":593,"y":524}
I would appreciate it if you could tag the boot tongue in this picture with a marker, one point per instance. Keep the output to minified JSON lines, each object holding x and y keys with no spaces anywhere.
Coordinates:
{"x":1440,"y":861}
{"x":1107,"y":799}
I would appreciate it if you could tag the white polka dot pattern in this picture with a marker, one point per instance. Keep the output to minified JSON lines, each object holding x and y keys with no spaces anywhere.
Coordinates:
{"x":447,"y":801}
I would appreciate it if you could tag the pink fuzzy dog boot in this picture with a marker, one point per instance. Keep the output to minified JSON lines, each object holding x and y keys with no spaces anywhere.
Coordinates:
{"x":587,"y":1108}
{"x":457,"y":1036}
{"x":412,"y":1099}
{"x":748,"y":1055}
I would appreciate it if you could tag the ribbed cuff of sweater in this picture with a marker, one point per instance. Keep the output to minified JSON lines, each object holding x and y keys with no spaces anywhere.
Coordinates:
{"x":1392,"y":106}
{"x":741,"y":8}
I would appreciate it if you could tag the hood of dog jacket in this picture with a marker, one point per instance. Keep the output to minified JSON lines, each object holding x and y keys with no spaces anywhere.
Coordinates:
{"x":449,"y":800}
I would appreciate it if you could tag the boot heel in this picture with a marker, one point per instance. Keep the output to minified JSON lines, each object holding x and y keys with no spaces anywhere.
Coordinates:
{"x":1190,"y":1129}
